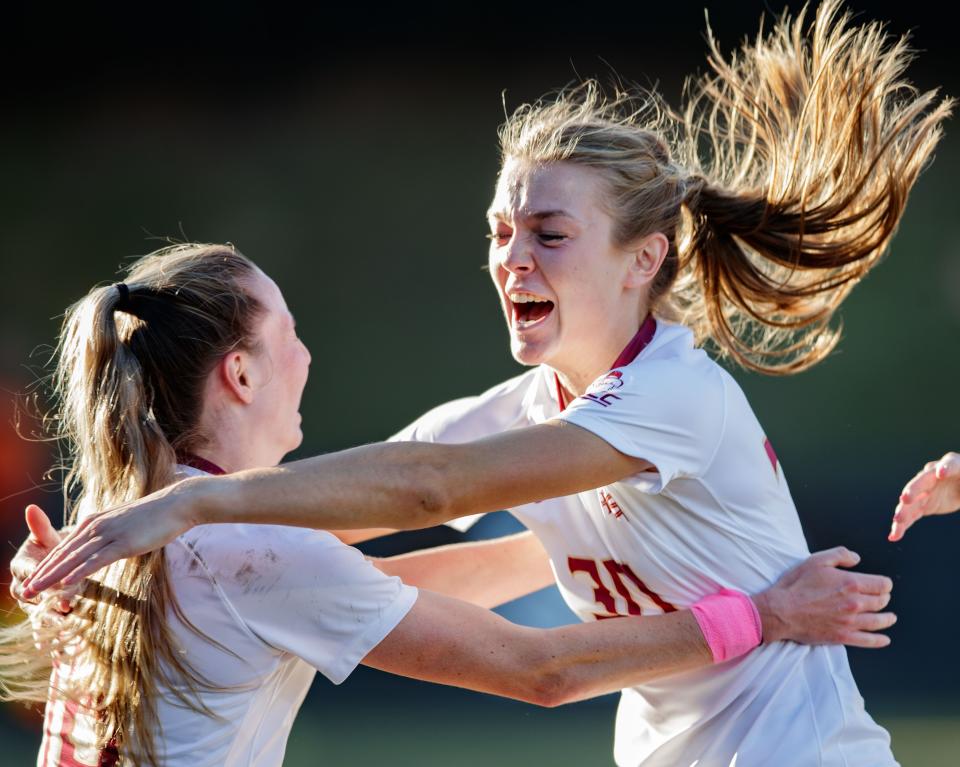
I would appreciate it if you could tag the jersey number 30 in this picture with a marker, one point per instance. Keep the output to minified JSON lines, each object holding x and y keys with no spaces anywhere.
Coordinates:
{"x":617,"y":571}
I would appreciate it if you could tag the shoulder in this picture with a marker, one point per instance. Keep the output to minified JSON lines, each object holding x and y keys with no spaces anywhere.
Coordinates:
{"x":675,"y":381}
{"x":269,"y":554}
{"x":497,"y":409}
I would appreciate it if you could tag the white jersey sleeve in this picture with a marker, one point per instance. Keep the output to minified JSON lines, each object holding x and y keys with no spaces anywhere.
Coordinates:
{"x":464,"y":420}
{"x":668,"y":412}
{"x":302,"y":592}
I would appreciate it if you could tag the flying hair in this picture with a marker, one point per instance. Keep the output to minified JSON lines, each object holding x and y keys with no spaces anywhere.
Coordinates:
{"x":779,"y":183}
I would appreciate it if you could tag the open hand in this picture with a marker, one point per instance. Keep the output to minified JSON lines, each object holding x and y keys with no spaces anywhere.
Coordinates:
{"x":105,"y":537}
{"x":935,"y":490}
{"x":43,"y":537}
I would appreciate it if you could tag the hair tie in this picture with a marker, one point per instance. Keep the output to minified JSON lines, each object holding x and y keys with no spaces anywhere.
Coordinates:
{"x":124,"y":303}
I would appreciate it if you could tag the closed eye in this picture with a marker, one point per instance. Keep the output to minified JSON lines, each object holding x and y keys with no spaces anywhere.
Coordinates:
{"x":551,"y":237}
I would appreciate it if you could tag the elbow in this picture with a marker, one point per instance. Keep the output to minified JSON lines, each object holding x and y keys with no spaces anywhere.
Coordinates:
{"x":551,"y":689}
{"x":549,"y":681}
{"x":432,"y":498}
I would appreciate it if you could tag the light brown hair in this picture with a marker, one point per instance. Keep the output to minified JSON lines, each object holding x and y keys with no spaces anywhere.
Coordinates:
{"x":131,"y":366}
{"x":779,"y":185}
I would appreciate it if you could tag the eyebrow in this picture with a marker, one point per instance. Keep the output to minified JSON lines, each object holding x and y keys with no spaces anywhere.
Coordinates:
{"x":538,"y":215}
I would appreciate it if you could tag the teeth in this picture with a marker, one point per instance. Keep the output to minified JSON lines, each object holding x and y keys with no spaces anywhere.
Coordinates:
{"x":527,"y":298}
{"x":527,"y":323}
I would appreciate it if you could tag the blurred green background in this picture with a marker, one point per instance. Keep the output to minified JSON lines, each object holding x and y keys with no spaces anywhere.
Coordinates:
{"x":351,"y":152}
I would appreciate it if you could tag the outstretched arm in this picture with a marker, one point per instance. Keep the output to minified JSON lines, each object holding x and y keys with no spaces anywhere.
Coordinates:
{"x":934,"y":490}
{"x":447,"y":641}
{"x":402,"y":485}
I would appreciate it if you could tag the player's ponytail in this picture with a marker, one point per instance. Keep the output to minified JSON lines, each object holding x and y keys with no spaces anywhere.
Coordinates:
{"x":131,"y":366}
{"x":779,"y":186}
{"x":813,"y":142}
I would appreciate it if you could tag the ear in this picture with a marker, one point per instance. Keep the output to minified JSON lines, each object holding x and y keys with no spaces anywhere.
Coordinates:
{"x":648,"y":254}
{"x":233,"y":372}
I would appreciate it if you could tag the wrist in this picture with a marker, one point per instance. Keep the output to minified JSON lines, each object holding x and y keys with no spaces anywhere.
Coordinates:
{"x":195,"y":501}
{"x":772,"y":625}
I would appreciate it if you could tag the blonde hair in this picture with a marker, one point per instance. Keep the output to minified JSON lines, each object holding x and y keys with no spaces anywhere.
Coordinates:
{"x":132,"y":363}
{"x":779,"y":185}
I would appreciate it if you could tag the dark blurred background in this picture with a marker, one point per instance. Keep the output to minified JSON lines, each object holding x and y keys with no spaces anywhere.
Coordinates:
{"x":351,"y":151}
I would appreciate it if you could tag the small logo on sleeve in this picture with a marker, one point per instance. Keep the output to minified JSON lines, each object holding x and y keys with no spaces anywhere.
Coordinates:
{"x":602,"y":390}
{"x":772,"y":456}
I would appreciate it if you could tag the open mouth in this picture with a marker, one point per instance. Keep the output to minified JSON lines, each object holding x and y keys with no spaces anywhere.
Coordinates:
{"x":529,"y":309}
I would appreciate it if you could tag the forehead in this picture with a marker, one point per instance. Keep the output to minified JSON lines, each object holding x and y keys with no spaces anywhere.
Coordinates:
{"x":266,"y":291}
{"x":525,"y":189}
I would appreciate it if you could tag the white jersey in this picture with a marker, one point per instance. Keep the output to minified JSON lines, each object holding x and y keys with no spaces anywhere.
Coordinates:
{"x":281,"y":603}
{"x":715,"y":513}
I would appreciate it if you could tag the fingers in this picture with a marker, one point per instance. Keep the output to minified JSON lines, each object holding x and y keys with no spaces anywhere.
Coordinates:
{"x":868,"y":604}
{"x":873,"y":621}
{"x":906,"y":513}
{"x":840,"y":556}
{"x":41,"y":530}
{"x":863,"y":628}
{"x":866,"y":639}
{"x":923,"y":482}
{"x":903,"y":519}
{"x":948,"y":467}
{"x":74,"y":555}
{"x":864,"y":583}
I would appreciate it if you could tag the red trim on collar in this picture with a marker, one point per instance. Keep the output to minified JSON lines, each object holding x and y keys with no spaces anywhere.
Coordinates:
{"x":196,"y":462}
{"x":638,"y":343}
{"x":561,"y":401}
{"x":648,"y":329}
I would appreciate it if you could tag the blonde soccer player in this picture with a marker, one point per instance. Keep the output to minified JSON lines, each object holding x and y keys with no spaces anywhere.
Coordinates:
{"x":616,"y":253}
{"x":200,"y":653}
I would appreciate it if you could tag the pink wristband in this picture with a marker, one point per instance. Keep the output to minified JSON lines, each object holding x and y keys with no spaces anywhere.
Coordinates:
{"x":730,"y":623}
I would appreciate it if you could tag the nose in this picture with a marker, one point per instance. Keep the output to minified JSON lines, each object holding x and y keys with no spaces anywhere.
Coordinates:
{"x":517,"y":255}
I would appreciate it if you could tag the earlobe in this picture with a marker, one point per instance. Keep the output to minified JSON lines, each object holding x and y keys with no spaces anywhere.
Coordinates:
{"x":648,"y":256}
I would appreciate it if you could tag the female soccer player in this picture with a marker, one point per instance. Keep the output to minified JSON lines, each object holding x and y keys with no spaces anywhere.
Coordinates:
{"x":602,"y":234}
{"x":201,"y":653}
{"x":935,"y":490}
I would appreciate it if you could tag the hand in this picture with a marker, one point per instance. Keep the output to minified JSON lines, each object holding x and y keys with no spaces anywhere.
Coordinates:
{"x":935,"y":490}
{"x":107,"y":536}
{"x":816,"y":603}
{"x":42,"y":539}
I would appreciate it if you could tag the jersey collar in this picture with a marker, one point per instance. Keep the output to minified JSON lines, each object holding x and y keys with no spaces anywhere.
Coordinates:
{"x":640,"y":341}
{"x":196,"y":462}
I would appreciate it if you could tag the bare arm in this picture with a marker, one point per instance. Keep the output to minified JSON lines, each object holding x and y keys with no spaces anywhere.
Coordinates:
{"x":450,"y":642}
{"x":447,"y":641}
{"x":484,"y":573}
{"x":401,"y":485}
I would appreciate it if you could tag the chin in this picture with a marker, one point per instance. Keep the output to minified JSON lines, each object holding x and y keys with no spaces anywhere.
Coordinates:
{"x":297,"y":440}
{"x":527,"y":353}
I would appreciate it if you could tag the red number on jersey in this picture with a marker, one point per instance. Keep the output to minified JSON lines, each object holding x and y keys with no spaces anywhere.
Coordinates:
{"x":617,"y":571}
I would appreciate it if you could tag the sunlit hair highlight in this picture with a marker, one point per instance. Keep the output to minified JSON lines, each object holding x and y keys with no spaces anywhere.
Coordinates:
{"x":779,"y":184}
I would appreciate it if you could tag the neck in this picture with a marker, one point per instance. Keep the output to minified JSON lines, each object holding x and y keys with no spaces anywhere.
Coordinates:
{"x":229,"y":447}
{"x":576,"y":379}
{"x":572,"y":384}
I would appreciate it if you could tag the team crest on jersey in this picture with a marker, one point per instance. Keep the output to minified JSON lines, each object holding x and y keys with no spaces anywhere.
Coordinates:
{"x":602,"y":390}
